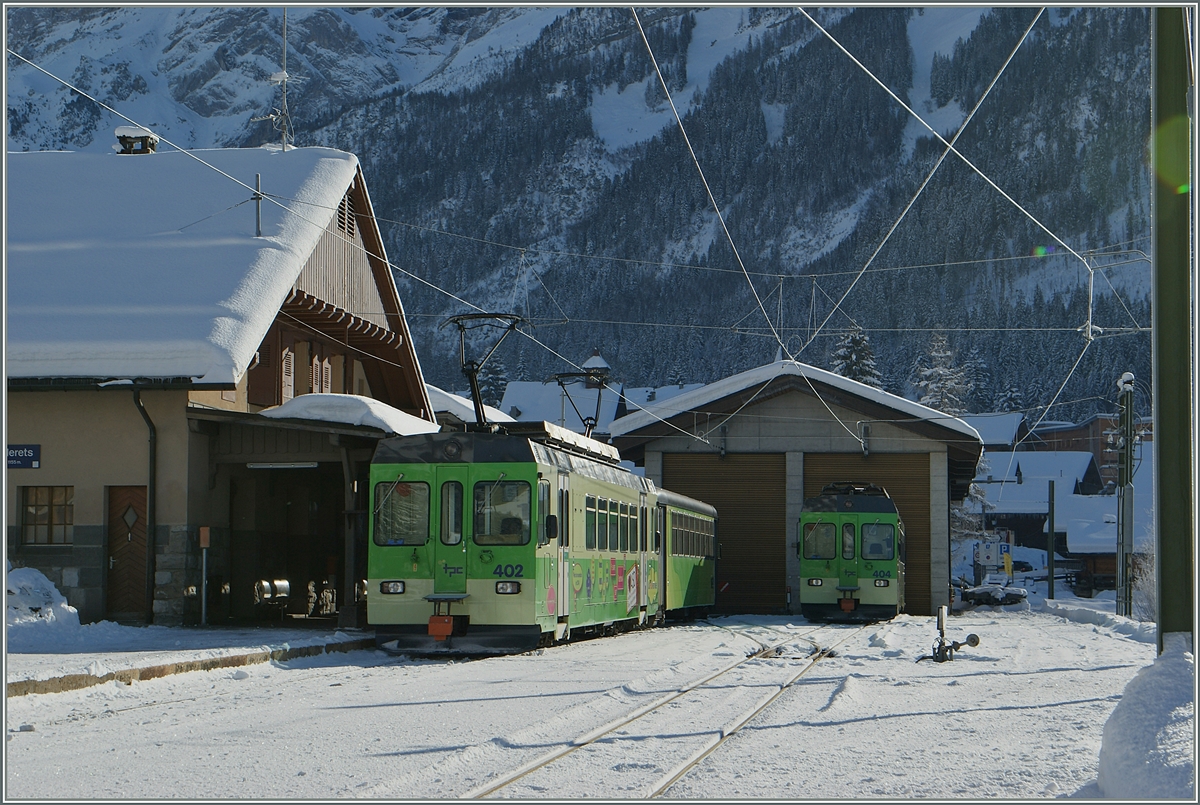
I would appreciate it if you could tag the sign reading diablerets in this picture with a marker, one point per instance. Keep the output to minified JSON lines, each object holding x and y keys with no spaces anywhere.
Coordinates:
{"x":24,"y":456}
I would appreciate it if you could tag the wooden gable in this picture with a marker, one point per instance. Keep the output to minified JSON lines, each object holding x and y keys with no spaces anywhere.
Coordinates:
{"x":342,"y":327}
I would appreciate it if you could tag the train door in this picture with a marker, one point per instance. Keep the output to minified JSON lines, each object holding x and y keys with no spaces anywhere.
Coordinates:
{"x":564,"y":545}
{"x":450,"y":543}
{"x":643,"y":553}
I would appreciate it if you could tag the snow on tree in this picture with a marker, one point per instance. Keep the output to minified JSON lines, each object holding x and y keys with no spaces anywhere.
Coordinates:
{"x":941,"y":384}
{"x":1011,"y":399}
{"x":854,"y":358}
{"x":493,"y":378}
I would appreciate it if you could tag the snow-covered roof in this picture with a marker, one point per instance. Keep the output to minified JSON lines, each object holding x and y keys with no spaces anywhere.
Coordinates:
{"x":1058,"y":465}
{"x":147,"y":266}
{"x":1090,"y":522}
{"x":444,"y":402}
{"x":351,"y":409}
{"x":532,"y":401}
{"x":762,"y":374}
{"x":997,"y":429}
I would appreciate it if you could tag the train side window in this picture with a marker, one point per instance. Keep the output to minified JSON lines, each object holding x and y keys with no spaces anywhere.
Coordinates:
{"x":848,"y":540}
{"x":877,"y":542}
{"x":642,"y":529}
{"x":624,"y":528}
{"x":502,"y":510}
{"x":602,"y":526}
{"x":452,"y":513}
{"x":402,"y":513}
{"x":820,"y":541}
{"x":589,"y":523}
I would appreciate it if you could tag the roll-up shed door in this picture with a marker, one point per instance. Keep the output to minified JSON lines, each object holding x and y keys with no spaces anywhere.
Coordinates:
{"x":906,"y":478}
{"x":747,"y":490}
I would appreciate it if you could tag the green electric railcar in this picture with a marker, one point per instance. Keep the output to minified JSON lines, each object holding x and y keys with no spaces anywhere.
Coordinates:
{"x":498,"y":542}
{"x":851,"y":546}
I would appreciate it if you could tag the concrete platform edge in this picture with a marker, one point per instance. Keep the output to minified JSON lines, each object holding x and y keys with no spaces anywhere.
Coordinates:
{"x":24,"y":687}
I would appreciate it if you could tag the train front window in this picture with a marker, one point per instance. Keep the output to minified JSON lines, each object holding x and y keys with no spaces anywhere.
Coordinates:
{"x":452,"y":512}
{"x":401,"y":513}
{"x":848,"y":540}
{"x":502,"y":513}
{"x":820,"y":541}
{"x":878,"y":542}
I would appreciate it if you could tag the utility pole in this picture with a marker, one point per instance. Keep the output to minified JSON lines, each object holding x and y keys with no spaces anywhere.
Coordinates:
{"x":1174,"y":329}
{"x":1125,"y":498}
{"x":1050,"y":547}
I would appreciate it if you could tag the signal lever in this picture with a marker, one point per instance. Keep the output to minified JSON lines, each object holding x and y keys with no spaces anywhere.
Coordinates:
{"x":943,"y":651}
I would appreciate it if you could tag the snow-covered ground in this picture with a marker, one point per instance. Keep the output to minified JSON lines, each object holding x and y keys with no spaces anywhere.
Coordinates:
{"x":1060,"y":698}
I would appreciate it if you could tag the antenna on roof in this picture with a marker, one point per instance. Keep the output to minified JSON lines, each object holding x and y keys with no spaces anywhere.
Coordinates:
{"x":280,"y":119}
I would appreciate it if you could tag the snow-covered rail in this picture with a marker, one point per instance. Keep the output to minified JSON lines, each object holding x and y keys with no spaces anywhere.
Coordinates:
{"x":672,"y":727}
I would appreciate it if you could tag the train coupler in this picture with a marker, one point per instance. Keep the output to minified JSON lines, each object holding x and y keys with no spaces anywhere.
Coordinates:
{"x":848,"y":604}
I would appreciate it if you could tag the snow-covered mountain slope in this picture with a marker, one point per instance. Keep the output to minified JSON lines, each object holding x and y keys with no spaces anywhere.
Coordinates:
{"x":528,"y":160}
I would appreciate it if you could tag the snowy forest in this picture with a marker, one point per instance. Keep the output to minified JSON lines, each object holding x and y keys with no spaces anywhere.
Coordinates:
{"x":530,"y":182}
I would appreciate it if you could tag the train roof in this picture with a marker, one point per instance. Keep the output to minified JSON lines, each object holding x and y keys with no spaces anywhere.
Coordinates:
{"x":669,"y":498}
{"x":850,"y":497}
{"x":504,"y":442}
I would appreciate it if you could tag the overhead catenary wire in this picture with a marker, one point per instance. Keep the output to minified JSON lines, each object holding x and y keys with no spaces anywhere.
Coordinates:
{"x":728,"y":235}
{"x":942,"y":139}
{"x":949,"y":147}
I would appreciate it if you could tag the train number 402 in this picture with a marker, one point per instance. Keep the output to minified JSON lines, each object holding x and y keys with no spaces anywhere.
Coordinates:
{"x":883,"y":574}
{"x":509,"y":571}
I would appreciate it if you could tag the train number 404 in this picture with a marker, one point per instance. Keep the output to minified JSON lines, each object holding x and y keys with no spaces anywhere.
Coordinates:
{"x":883,"y":574}
{"x":509,"y":571}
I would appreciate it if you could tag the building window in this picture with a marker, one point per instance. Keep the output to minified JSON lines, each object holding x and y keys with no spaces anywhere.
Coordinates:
{"x":47,"y":515}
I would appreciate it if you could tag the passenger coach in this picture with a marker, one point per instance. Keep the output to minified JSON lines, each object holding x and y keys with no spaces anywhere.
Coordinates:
{"x":499,"y":540}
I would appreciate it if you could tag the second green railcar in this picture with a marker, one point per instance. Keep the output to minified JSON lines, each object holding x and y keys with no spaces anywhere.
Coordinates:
{"x":851,"y":546}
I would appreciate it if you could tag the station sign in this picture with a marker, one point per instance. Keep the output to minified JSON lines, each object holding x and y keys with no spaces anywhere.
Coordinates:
{"x":24,"y":456}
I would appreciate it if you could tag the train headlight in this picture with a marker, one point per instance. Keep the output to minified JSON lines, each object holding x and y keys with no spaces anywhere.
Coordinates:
{"x":814,"y":582}
{"x":508,"y":587}
{"x":391,"y":587}
{"x":881,"y":582}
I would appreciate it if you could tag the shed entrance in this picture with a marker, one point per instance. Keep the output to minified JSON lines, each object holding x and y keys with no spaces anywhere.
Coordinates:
{"x":906,"y":478}
{"x":748,"y":492}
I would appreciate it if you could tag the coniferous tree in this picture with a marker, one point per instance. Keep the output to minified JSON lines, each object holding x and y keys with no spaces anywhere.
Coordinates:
{"x":854,"y":358}
{"x":939,"y":381}
{"x":1010,"y":399}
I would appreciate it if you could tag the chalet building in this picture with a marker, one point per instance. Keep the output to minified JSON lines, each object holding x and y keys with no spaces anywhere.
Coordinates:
{"x":1016,"y":487}
{"x":157,"y":304}
{"x":756,"y":444}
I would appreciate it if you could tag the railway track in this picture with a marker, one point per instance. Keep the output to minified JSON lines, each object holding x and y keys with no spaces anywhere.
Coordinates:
{"x":656,"y":744}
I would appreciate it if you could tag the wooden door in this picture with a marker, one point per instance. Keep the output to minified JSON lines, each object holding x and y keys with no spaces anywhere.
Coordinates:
{"x":127,"y":553}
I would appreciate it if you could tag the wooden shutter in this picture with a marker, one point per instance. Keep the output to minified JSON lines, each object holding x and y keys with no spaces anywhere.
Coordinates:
{"x":748,"y":492}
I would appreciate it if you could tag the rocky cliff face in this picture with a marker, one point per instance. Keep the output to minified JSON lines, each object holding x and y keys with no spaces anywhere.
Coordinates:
{"x":527,"y":160}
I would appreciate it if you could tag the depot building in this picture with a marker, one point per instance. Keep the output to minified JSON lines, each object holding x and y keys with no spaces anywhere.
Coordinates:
{"x":756,"y":444}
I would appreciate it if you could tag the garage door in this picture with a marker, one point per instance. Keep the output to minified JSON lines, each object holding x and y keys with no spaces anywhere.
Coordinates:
{"x":748,"y":491}
{"x":906,"y":478}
